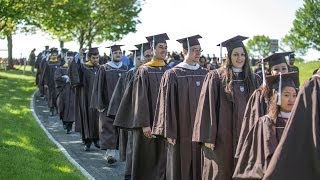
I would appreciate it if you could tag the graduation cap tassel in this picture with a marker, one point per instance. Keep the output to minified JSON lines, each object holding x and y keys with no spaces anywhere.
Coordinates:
{"x":111,"y":54}
{"x":220,"y":60}
{"x":135,"y":58}
{"x":263,"y":74}
{"x":153,"y":46}
{"x":279,"y":90}
{"x":188,"y":44}
{"x":141,"y":53}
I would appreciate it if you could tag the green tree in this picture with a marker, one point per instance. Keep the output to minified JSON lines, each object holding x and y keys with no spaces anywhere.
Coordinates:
{"x":259,"y":45}
{"x":305,"y":32}
{"x":88,"y":21}
{"x":15,"y":15}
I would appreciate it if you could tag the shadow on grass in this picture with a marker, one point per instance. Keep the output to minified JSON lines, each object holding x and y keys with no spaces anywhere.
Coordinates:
{"x":26,"y":152}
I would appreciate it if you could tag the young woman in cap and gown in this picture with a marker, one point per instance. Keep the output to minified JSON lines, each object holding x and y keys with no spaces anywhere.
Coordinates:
{"x":297,"y":155}
{"x":222,"y":102}
{"x":264,"y":136}
{"x":258,"y":103}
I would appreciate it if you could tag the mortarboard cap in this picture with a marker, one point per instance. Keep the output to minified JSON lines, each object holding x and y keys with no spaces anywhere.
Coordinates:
{"x":277,"y":82}
{"x":71,"y":53}
{"x":115,"y":47}
{"x":189,"y":41}
{"x":93,"y":51}
{"x":135,"y":51}
{"x":234,"y":42}
{"x":276,"y":58}
{"x":54,"y":50}
{"x":291,"y":55}
{"x":64,"y":50}
{"x":159,"y":38}
{"x":146,"y":46}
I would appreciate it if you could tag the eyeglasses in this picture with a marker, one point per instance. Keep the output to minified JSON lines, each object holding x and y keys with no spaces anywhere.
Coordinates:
{"x":147,"y":56}
{"x":196,"y":50}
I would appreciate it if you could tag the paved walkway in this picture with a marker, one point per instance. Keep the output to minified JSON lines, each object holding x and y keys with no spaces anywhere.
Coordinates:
{"x":92,"y":161}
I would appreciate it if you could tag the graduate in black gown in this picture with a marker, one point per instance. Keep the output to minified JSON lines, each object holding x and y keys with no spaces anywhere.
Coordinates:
{"x":298,"y":152}
{"x":264,"y":136}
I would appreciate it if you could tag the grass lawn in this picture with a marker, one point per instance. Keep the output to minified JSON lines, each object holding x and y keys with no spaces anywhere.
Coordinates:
{"x":25,"y":150}
{"x":306,"y":70}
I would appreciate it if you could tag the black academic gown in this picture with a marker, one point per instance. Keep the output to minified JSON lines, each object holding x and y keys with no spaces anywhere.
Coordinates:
{"x":104,"y":86}
{"x":149,"y":155}
{"x":82,"y":77}
{"x":48,"y":80}
{"x":65,"y":95}
{"x":298,"y":153}
{"x":125,"y":136}
{"x":218,"y":121}
{"x":175,"y":115}
{"x":258,"y":148}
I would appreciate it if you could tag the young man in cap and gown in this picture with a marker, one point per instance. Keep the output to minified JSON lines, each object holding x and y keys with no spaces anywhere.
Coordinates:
{"x":148,"y":152}
{"x":65,"y":95}
{"x":297,"y":154}
{"x":176,"y":110}
{"x":104,"y":85}
{"x":122,"y":107}
{"x":82,"y":75}
{"x":50,"y":67}
{"x":39,"y":65}
{"x":222,"y":102}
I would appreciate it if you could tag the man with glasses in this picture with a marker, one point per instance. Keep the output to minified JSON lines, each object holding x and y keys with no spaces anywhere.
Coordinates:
{"x":176,"y":110}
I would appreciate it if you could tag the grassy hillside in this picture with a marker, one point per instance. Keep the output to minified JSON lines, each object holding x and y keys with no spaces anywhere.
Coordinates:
{"x":306,"y":70}
{"x":25,"y":150}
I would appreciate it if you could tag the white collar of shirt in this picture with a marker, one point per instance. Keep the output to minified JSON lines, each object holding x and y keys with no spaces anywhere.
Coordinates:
{"x":112,"y":64}
{"x":285,"y":115}
{"x":188,"y":66}
{"x":236,"y":70}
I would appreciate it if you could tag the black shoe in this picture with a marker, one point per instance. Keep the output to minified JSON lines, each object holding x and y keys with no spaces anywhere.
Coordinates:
{"x":52,"y":111}
{"x":111,"y":160}
{"x":96,"y":144}
{"x":68,"y":131}
{"x":127,"y":177}
{"x":87,"y":147}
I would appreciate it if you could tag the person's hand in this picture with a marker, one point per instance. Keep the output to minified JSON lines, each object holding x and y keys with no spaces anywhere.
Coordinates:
{"x":45,"y":86}
{"x":66,"y":77}
{"x":147,"y":132}
{"x":209,"y":145}
{"x":171,"y":141}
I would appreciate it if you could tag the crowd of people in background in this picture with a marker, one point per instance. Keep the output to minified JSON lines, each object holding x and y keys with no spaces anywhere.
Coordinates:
{"x":183,"y":115}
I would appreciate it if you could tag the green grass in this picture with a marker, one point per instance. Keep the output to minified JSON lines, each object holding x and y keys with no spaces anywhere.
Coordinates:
{"x":306,"y":70}
{"x":25,"y":150}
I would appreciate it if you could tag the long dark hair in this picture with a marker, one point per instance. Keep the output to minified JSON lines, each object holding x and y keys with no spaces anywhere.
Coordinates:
{"x":227,"y":74}
{"x":274,"y":108}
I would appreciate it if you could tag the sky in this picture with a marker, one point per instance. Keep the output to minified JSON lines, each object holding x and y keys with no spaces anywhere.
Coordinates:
{"x":214,"y":20}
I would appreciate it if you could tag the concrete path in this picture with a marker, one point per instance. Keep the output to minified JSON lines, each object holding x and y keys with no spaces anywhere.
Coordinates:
{"x":92,"y":163}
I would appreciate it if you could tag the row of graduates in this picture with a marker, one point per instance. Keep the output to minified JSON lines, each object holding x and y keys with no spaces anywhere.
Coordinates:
{"x":178,"y":123}
{"x":188,"y":123}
